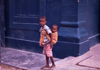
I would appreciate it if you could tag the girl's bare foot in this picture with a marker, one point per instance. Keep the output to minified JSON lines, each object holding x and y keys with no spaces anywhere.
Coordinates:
{"x":53,"y":66}
{"x":45,"y":67}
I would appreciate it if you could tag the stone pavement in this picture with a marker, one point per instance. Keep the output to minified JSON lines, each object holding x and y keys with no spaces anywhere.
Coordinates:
{"x":34,"y":61}
{"x":89,"y":60}
{"x":22,"y":59}
{"x":94,"y":59}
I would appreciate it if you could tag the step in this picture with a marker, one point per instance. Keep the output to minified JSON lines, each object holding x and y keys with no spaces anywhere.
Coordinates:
{"x":93,"y":51}
{"x":94,"y":60}
{"x":64,"y":61}
{"x":61,"y":63}
{"x":67,"y":64}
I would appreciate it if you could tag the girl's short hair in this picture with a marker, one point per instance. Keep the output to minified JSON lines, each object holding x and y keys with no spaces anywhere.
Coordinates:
{"x":43,"y":17}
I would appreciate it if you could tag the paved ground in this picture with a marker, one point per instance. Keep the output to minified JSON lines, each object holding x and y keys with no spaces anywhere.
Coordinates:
{"x":19,"y":60}
{"x":89,"y":59}
{"x":94,"y":60}
{"x":22,"y":59}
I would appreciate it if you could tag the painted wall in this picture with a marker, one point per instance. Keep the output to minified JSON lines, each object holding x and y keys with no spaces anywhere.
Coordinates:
{"x":78,"y":24}
{"x":2,"y":23}
{"x":92,"y":20}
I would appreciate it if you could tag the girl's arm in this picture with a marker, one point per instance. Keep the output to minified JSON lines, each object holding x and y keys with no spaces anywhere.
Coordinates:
{"x":51,"y":43}
{"x":48,"y":42}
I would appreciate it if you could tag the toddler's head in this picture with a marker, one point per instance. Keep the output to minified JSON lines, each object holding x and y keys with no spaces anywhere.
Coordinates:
{"x":54,"y":28}
{"x":43,"y":20}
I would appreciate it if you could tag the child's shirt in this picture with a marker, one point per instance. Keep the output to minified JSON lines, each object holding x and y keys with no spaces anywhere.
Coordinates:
{"x":48,"y":30}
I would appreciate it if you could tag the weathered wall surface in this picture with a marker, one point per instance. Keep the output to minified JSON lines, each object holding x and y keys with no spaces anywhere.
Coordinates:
{"x":78,"y":24}
{"x":2,"y":23}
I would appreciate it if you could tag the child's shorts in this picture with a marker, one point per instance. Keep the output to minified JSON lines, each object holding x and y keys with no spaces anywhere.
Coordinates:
{"x":47,"y":50}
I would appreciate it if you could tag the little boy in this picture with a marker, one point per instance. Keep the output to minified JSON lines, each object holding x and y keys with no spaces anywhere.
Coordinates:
{"x":46,"y":40}
{"x":54,"y":30}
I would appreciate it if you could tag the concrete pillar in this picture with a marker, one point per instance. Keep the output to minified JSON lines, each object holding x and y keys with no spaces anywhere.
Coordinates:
{"x":75,"y":29}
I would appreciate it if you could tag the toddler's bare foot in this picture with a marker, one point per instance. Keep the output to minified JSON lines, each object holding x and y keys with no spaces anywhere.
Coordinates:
{"x":47,"y":66}
{"x":53,"y":66}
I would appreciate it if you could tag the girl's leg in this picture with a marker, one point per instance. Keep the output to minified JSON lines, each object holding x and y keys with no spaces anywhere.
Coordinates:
{"x":53,"y":64}
{"x":47,"y":63}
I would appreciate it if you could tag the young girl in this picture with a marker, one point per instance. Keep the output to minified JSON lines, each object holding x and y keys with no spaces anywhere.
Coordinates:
{"x":48,"y":47}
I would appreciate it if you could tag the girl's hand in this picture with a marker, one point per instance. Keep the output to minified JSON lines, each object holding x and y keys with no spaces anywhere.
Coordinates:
{"x":51,"y":45}
{"x":43,"y":44}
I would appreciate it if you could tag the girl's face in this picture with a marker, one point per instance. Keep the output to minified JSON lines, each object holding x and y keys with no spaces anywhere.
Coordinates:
{"x":42,"y":22}
{"x":54,"y":28}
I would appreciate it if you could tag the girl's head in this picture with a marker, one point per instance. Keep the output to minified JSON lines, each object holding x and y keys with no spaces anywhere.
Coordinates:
{"x":54,"y":28}
{"x":43,"y":20}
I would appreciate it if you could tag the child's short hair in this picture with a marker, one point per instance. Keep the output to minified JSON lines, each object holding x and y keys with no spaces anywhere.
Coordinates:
{"x":43,"y":17}
{"x":55,"y":25}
